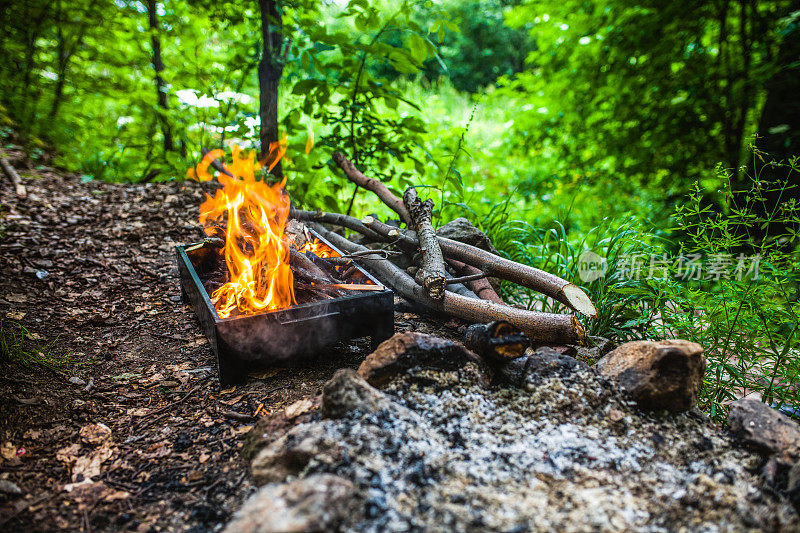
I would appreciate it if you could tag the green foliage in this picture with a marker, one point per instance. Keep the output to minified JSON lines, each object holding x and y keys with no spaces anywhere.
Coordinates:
{"x":653,"y":93}
{"x":14,"y":347}
{"x":746,"y":319}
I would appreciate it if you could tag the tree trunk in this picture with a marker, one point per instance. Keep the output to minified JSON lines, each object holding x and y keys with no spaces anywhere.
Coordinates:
{"x":158,"y":66}
{"x":779,"y":125}
{"x":270,"y":70}
{"x":779,"y":131}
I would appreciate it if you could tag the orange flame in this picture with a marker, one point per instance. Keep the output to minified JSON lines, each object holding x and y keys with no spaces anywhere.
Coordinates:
{"x":256,"y":251}
{"x":320,"y":249}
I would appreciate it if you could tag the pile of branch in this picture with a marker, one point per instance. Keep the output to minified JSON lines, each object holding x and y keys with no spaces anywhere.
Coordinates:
{"x":449,"y":276}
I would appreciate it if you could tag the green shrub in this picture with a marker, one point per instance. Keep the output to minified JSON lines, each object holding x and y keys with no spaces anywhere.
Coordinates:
{"x":744,"y":306}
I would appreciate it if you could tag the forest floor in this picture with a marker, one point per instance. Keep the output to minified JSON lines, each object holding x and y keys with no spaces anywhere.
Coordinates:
{"x":111,"y":416}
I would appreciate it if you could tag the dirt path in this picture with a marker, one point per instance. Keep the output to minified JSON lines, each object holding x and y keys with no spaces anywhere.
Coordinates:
{"x":129,"y":431}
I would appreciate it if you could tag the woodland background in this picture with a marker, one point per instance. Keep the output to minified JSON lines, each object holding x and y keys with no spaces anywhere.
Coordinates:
{"x":628,"y":128}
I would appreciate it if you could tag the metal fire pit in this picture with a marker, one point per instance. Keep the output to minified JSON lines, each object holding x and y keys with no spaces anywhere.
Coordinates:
{"x":244,"y":344}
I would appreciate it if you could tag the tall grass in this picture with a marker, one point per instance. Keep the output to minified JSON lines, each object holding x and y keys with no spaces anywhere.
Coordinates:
{"x":747,"y":323}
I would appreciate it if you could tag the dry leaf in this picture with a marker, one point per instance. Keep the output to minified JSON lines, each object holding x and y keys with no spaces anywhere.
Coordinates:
{"x":16,"y":315}
{"x":8,"y":450}
{"x":89,"y":466}
{"x":69,"y":453}
{"x":298,"y":408}
{"x":95,"y":434}
{"x":233,"y":400}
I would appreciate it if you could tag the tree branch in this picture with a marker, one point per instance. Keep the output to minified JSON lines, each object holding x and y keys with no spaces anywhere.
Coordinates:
{"x":539,"y":327}
{"x":376,"y":186}
{"x":433,"y":278}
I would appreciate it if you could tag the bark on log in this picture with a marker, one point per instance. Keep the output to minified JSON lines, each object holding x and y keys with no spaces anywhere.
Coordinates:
{"x":376,"y":186}
{"x":493,"y":265}
{"x":19,"y":188}
{"x":336,"y":219}
{"x":453,"y":285}
{"x":480,"y":286}
{"x":433,"y":278}
{"x":539,"y":327}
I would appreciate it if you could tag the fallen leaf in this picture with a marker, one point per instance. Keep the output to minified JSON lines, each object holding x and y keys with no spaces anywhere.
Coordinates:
{"x":88,"y":466}
{"x":16,"y":315}
{"x":95,"y":434}
{"x":32,"y":434}
{"x":69,"y":453}
{"x":233,"y":400}
{"x":8,"y":450}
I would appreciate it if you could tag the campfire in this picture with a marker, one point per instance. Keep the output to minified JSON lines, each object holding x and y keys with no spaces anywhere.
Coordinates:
{"x":269,"y":290}
{"x":271,"y":284}
{"x":263,"y":263}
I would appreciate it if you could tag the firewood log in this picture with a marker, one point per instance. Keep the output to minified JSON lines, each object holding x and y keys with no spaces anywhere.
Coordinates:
{"x":433,"y":278}
{"x":548,"y":284}
{"x":539,"y":327}
{"x":376,"y":186}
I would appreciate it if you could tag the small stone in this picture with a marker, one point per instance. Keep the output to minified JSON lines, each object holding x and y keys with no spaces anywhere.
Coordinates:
{"x":543,"y":363}
{"x":615,"y":415}
{"x":657,"y":374}
{"x":762,"y":427}
{"x":10,"y":489}
{"x":409,"y":350}
{"x":317,"y":503}
{"x":75,"y":380}
{"x":347,"y":392}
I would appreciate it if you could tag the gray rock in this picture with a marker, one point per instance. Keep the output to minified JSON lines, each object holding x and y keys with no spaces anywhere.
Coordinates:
{"x":9,"y":488}
{"x":347,"y":392}
{"x":409,"y":350}
{"x":75,"y":380}
{"x":657,"y":374}
{"x":316,"y":503}
{"x":290,"y":454}
{"x":543,"y":363}
{"x":462,"y":230}
{"x":762,"y":427}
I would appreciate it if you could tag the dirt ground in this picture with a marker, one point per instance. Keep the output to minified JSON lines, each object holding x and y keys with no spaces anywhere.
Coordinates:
{"x":130,"y":430}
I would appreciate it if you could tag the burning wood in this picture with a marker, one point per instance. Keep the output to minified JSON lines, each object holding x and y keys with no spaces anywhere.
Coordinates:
{"x":498,"y":340}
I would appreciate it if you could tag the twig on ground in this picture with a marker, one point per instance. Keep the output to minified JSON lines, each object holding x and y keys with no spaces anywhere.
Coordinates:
{"x":12,"y":175}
